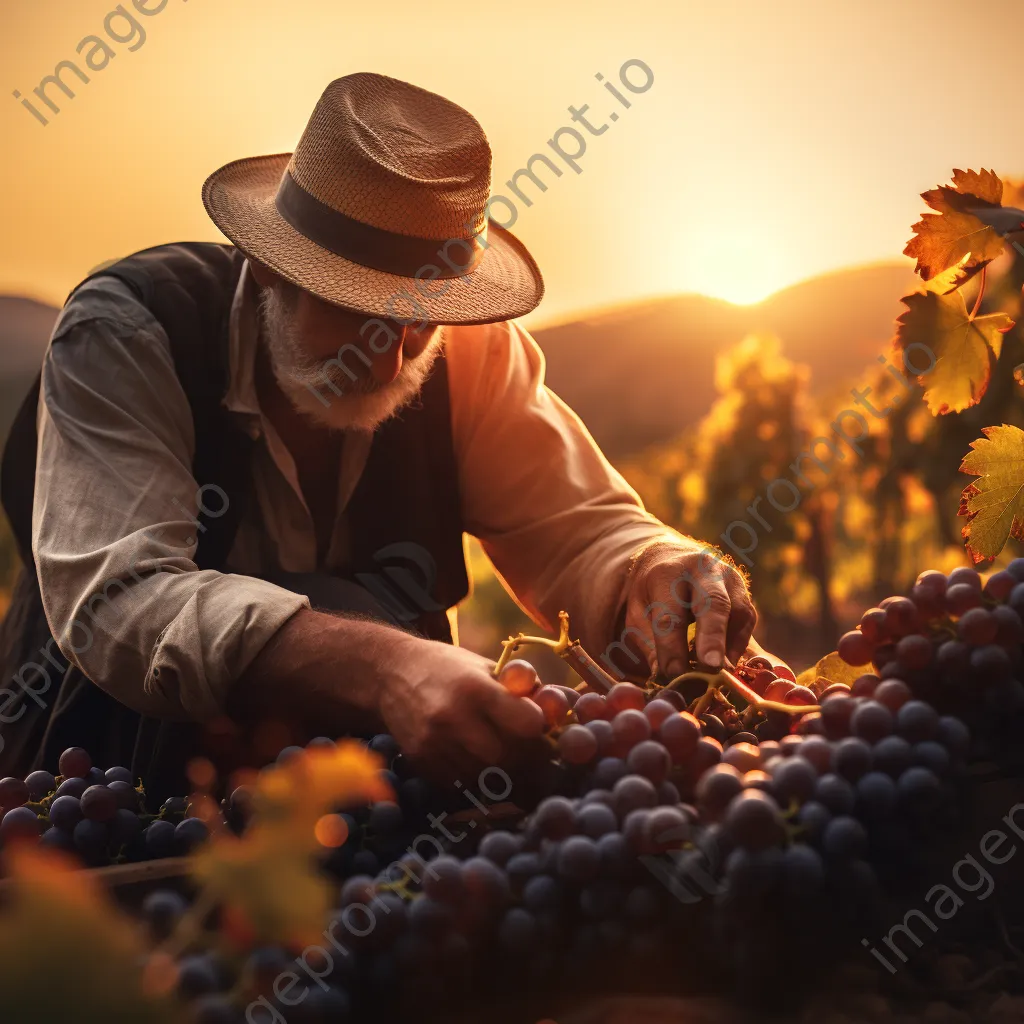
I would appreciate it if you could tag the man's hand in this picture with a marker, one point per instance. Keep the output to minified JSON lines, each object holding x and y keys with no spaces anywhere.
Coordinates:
{"x":444,"y":707}
{"x":328,"y":675}
{"x":672,"y":586}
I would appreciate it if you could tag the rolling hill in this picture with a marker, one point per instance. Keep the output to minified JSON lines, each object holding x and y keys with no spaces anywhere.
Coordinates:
{"x":636,"y":374}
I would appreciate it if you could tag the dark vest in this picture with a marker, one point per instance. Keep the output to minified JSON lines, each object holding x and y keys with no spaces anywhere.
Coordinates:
{"x":404,"y":520}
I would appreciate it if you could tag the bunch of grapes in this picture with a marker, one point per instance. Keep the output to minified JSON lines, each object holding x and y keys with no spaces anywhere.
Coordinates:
{"x":98,"y":816}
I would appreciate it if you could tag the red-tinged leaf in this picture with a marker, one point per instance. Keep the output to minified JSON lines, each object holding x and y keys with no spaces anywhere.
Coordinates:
{"x":936,"y":328}
{"x":994,"y":503}
{"x":944,"y":238}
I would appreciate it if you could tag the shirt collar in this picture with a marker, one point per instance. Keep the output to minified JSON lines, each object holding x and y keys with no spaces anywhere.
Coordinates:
{"x":243,"y":333}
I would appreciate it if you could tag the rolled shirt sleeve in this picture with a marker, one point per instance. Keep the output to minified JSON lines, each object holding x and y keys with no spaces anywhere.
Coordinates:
{"x":114,"y":528}
{"x":556,"y":519}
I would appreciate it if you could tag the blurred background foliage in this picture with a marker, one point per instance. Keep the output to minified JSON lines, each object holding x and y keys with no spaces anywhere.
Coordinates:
{"x":865,"y":524}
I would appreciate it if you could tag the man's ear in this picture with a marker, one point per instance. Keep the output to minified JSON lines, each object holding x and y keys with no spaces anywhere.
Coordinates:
{"x":262,"y":273}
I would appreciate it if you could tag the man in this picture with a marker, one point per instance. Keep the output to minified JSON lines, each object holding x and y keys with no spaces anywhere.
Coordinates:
{"x":232,"y":438}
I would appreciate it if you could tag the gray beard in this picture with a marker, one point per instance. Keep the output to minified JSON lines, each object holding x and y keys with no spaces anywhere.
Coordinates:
{"x":327,"y":394}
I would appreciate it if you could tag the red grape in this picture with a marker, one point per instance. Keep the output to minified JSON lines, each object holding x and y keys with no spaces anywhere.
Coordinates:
{"x":75,"y":763}
{"x":855,"y":648}
{"x":832,"y":689}
{"x":592,"y":706}
{"x":914,"y":651}
{"x":901,"y":617}
{"x":865,"y":685}
{"x":553,"y":703}
{"x":784,"y":672}
{"x":716,"y":789}
{"x":577,"y":745}
{"x":13,"y":793}
{"x":893,"y":693}
{"x":744,"y":757}
{"x":757,"y":663}
{"x":623,"y":696}
{"x":761,"y":680}
{"x":630,"y":727}
{"x":872,"y":625}
{"x":651,"y":760}
{"x":679,"y":735}
{"x":657,"y":711}
{"x":800,"y":695}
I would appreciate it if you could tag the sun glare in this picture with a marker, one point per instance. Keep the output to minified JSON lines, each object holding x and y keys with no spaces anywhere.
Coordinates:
{"x":737,"y":268}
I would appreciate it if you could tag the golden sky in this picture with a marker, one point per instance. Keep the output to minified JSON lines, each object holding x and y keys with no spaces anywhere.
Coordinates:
{"x":777,"y":141}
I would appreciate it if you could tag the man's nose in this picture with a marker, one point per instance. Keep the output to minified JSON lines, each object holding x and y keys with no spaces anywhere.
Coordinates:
{"x":388,"y":364}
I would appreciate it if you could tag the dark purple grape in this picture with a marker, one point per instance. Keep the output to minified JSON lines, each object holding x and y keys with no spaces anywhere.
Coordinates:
{"x":20,"y":823}
{"x":66,"y":812}
{"x":99,"y":803}
{"x":1016,"y":601}
{"x":636,"y":831}
{"x":632,"y":793}
{"x":578,"y":859}
{"x":954,"y":736}
{"x":835,"y":793}
{"x":753,"y":821}
{"x":716,"y":789}
{"x":871,"y":721}
{"x":919,"y":789}
{"x":430,"y":918}
{"x":901,"y":616}
{"x":851,"y":758}
{"x":442,"y":879}
{"x":614,"y":853}
{"x":794,"y":779}
{"x":499,"y":847}
{"x":520,"y":868}
{"x":961,"y":598}
{"x":189,"y":834}
{"x":892,"y":755}
{"x":162,"y":910}
{"x":876,"y":795}
{"x":835,"y":716}
{"x":680,"y":735}
{"x":118,"y":775}
{"x":803,"y":873}
{"x":813,"y":819}
{"x":865,"y":685}
{"x":884,"y":653}
{"x":713,"y":726}
{"x":668,"y":828}
{"x":1016,"y":569}
{"x":608,"y":771}
{"x":603,"y":732}
{"x":159,"y":838}
{"x":125,"y":794}
{"x":124,"y":827}
{"x":953,"y":660}
{"x":917,"y":721}
{"x":39,"y":784}
{"x":72,"y":787}
{"x":844,"y":838}
{"x":486,"y":884}
{"x":999,"y":585}
{"x":92,"y":838}
{"x":1010,"y":629}
{"x":818,"y":751}
{"x":967,"y":576}
{"x":931,"y":755}
{"x":57,"y":839}
{"x":990,"y":664}
{"x":977,"y":627}
{"x":555,"y":818}
{"x":518,"y":930}
{"x":915,"y":651}
{"x":596,"y":820}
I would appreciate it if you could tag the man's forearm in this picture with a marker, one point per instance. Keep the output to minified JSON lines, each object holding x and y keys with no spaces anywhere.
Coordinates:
{"x":322,"y":672}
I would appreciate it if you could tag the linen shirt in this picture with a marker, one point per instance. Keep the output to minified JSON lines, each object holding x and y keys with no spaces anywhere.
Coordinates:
{"x":114,"y":533}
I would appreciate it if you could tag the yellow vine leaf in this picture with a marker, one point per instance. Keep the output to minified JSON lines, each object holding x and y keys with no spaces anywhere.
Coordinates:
{"x":994,"y":503}
{"x":944,"y":238}
{"x":834,"y":669}
{"x":960,"y":347}
{"x":57,"y":914}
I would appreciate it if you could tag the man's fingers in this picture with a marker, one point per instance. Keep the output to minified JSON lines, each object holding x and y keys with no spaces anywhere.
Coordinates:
{"x":669,"y":620}
{"x":514,"y":715}
{"x":712,"y":623}
{"x":742,"y":620}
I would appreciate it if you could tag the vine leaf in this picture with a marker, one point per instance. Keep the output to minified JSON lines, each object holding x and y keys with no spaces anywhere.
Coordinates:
{"x":959,"y":345}
{"x":944,"y":238}
{"x":994,"y":503}
{"x":833,"y":669}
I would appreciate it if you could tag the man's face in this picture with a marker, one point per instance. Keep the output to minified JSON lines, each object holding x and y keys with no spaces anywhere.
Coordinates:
{"x":357,"y":388}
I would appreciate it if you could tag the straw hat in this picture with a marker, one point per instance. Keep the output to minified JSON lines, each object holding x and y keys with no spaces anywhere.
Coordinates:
{"x":382,"y":208}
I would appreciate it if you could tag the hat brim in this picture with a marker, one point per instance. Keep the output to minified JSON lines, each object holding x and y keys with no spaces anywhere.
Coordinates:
{"x":239,"y":198}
